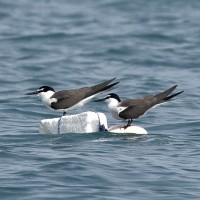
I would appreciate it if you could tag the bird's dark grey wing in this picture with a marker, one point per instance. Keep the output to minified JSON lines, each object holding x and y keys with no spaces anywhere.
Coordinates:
{"x":101,"y":87}
{"x":137,"y":107}
{"x":163,"y":96}
{"x":63,"y":94}
{"x":68,"y":98}
{"x":151,"y":100}
{"x":133,"y":112}
{"x":145,"y":101}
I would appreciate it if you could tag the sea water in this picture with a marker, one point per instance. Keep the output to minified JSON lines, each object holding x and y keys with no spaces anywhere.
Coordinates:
{"x":149,"y":46}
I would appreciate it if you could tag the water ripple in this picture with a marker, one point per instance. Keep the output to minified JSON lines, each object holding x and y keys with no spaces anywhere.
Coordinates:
{"x":149,"y":46}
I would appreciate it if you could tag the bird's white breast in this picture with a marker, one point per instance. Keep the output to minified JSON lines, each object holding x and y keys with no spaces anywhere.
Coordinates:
{"x":46,"y":98}
{"x":114,"y":108}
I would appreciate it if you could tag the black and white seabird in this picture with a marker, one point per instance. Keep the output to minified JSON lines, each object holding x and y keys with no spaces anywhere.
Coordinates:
{"x":133,"y":108}
{"x":65,"y":100}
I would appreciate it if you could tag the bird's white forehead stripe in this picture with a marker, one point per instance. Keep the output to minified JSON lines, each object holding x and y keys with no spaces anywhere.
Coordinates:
{"x":40,"y":90}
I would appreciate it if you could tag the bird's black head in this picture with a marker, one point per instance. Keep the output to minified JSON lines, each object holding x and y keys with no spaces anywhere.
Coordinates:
{"x":108,"y":97}
{"x":41,"y":89}
{"x":114,"y":96}
{"x":45,"y":89}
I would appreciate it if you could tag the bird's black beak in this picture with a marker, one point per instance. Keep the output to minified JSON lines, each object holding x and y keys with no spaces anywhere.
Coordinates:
{"x":32,"y":93}
{"x":98,"y":100}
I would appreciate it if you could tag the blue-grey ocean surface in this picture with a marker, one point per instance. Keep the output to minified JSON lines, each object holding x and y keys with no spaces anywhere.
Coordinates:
{"x":149,"y":46}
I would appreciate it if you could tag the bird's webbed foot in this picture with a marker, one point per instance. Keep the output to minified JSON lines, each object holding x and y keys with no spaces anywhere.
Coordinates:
{"x":128,"y":124}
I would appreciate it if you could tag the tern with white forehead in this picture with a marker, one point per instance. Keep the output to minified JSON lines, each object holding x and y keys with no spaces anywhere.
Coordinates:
{"x":133,"y":108}
{"x":65,"y":100}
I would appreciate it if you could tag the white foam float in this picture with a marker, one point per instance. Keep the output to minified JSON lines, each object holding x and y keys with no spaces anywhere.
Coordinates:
{"x":86,"y":122}
{"x":130,"y":129}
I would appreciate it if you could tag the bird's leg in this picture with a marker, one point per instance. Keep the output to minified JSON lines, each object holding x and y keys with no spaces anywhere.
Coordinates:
{"x":59,"y":122}
{"x":128,"y":124}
